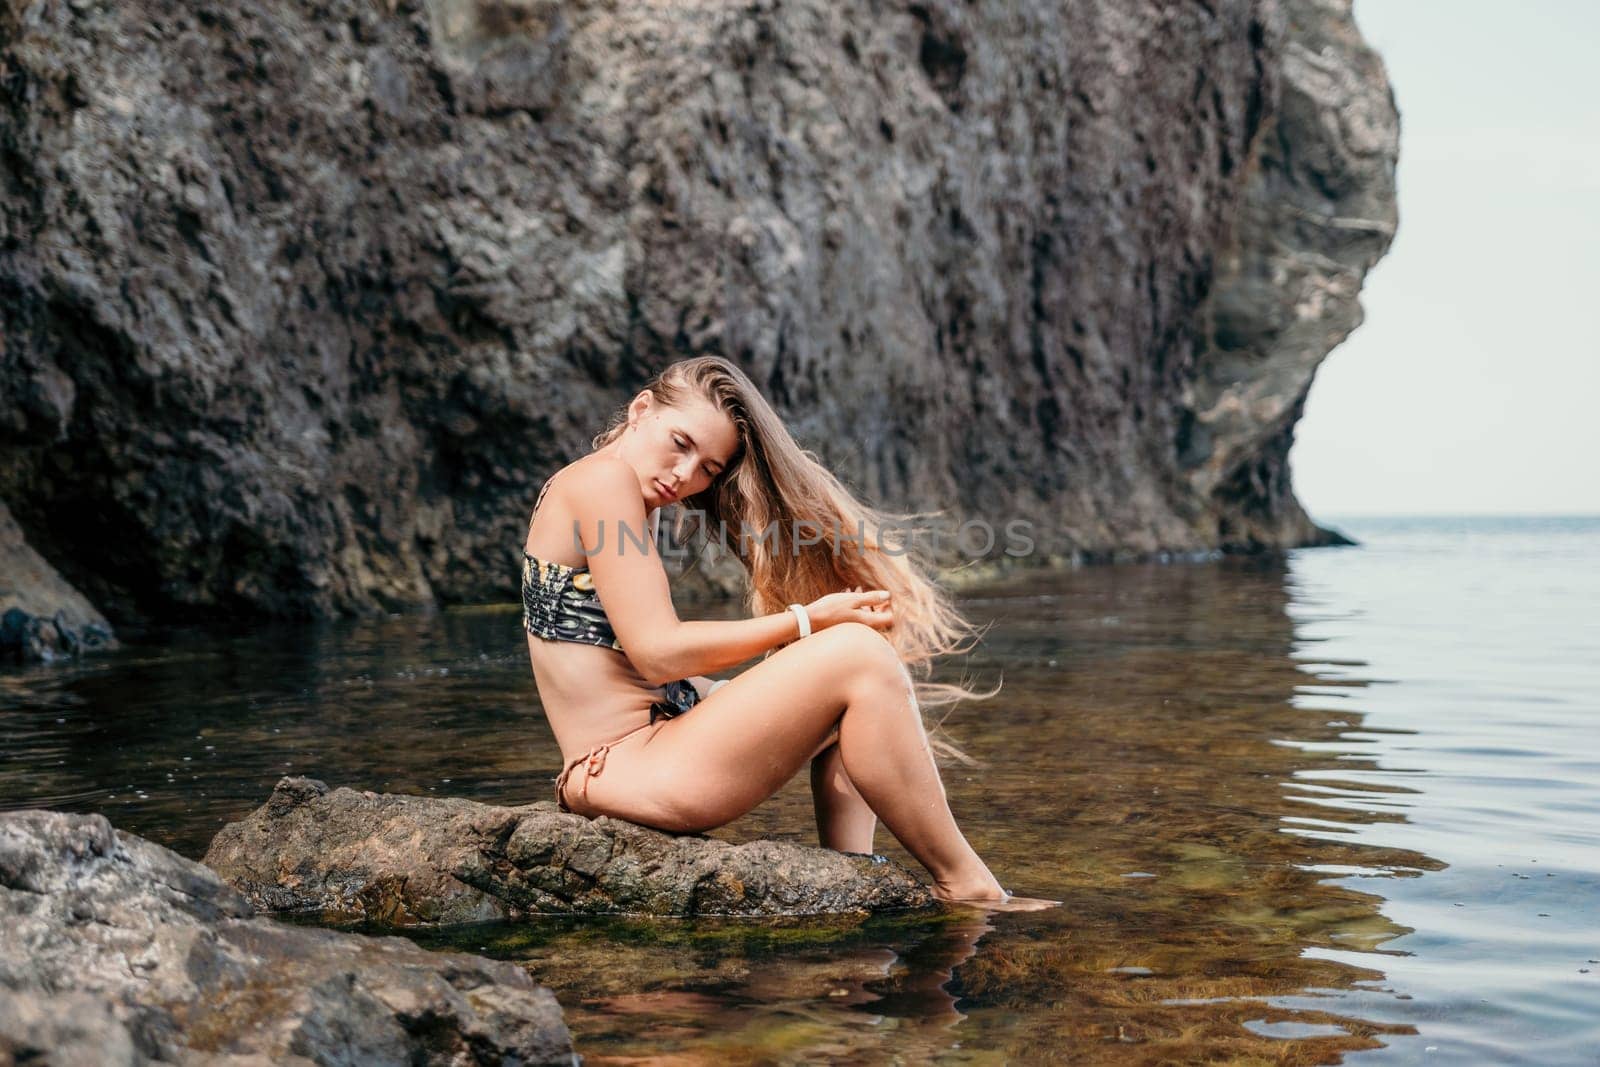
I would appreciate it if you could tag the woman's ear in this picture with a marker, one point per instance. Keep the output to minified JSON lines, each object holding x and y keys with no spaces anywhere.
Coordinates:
{"x":638,"y":407}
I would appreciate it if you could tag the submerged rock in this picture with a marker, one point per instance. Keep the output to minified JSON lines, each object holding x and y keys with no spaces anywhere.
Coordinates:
{"x":119,"y":951}
{"x":404,"y":860}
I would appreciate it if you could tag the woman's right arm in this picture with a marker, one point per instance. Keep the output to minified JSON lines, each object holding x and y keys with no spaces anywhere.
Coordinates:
{"x":633,"y":588}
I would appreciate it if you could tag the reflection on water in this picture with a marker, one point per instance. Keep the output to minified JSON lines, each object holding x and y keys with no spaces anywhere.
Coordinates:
{"x":1223,"y":770}
{"x":748,"y":992}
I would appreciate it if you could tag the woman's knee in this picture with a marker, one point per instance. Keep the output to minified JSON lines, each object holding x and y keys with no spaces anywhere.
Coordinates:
{"x":863,"y":654}
{"x":859,"y":643}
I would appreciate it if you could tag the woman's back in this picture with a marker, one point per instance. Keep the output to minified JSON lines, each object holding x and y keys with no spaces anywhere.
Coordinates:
{"x":590,"y":691}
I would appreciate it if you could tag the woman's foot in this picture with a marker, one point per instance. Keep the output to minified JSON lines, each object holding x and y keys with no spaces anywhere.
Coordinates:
{"x":1004,"y":903}
{"x":988,"y":895}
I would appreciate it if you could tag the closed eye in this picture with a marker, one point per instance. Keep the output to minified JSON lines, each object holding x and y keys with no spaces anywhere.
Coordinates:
{"x":681,"y":443}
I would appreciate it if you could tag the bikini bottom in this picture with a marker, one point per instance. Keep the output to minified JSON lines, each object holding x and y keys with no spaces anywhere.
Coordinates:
{"x":680,"y":697}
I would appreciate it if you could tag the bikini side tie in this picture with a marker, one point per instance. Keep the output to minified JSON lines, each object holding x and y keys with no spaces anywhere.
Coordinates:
{"x":594,"y":761}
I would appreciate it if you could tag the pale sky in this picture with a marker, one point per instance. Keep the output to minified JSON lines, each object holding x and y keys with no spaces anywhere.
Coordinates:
{"x":1473,"y":387}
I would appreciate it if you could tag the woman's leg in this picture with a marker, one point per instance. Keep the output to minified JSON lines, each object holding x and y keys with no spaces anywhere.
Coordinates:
{"x":845,"y":821}
{"x":739,"y":746}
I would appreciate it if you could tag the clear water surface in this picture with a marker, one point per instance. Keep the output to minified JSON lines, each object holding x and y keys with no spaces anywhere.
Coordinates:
{"x":1339,"y":808}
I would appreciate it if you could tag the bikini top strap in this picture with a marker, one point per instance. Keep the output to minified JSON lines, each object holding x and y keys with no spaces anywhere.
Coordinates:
{"x":542,"y":491}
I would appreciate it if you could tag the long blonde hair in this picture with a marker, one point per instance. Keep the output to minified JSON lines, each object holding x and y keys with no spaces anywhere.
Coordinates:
{"x":770,"y":480}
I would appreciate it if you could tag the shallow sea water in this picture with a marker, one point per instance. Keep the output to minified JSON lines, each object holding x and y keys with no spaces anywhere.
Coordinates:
{"x":1343,"y":807}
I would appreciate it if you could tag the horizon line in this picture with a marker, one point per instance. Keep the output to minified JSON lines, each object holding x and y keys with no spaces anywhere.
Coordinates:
{"x":1331,"y":515}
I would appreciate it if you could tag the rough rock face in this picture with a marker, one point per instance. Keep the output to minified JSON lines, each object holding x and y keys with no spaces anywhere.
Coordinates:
{"x":1318,"y":212}
{"x":300,"y":302}
{"x":117,"y":951}
{"x":402,"y":860}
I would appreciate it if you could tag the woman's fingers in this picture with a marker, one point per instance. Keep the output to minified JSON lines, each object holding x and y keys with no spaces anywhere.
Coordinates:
{"x":878,"y":610}
{"x":872,"y":607}
{"x":879,"y":615}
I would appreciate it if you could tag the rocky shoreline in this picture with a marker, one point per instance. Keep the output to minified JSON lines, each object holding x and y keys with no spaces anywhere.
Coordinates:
{"x":118,"y":951}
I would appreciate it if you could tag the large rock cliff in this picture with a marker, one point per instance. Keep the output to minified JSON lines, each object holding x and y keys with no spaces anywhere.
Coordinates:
{"x":301,"y":301}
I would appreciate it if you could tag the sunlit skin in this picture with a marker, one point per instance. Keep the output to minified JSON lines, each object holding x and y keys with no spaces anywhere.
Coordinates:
{"x":840,"y":699}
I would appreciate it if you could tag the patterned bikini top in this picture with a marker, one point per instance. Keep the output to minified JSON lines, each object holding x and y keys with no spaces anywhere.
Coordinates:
{"x":559,"y":602}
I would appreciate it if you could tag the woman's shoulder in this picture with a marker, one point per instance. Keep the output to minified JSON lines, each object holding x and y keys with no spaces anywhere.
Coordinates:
{"x":569,"y":495}
{"x":593,"y":475}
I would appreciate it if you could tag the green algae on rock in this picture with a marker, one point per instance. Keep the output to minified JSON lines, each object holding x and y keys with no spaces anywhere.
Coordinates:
{"x":404,"y":861}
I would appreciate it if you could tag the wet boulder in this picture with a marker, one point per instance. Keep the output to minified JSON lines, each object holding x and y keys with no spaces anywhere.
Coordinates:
{"x":118,"y":951}
{"x":407,"y":860}
{"x":42,"y":617}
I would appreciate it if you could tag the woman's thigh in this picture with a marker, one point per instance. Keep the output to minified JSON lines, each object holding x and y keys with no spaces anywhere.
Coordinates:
{"x":741,"y":744}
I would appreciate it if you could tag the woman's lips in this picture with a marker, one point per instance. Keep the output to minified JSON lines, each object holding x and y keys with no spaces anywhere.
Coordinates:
{"x":665,"y":492}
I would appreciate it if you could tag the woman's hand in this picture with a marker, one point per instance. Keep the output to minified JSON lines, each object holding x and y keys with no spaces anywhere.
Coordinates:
{"x":870,"y":607}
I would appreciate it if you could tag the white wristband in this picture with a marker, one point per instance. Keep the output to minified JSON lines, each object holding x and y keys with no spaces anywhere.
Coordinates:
{"x":805,"y":620}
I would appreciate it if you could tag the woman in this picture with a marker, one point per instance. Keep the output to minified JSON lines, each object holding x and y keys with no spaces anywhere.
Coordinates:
{"x":616,"y":680}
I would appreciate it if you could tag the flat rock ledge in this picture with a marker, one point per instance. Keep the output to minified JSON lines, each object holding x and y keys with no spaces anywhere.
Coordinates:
{"x":407,"y":860}
{"x":118,"y":951}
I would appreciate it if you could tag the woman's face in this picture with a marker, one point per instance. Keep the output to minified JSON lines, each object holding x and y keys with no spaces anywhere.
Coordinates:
{"x":676,"y":450}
